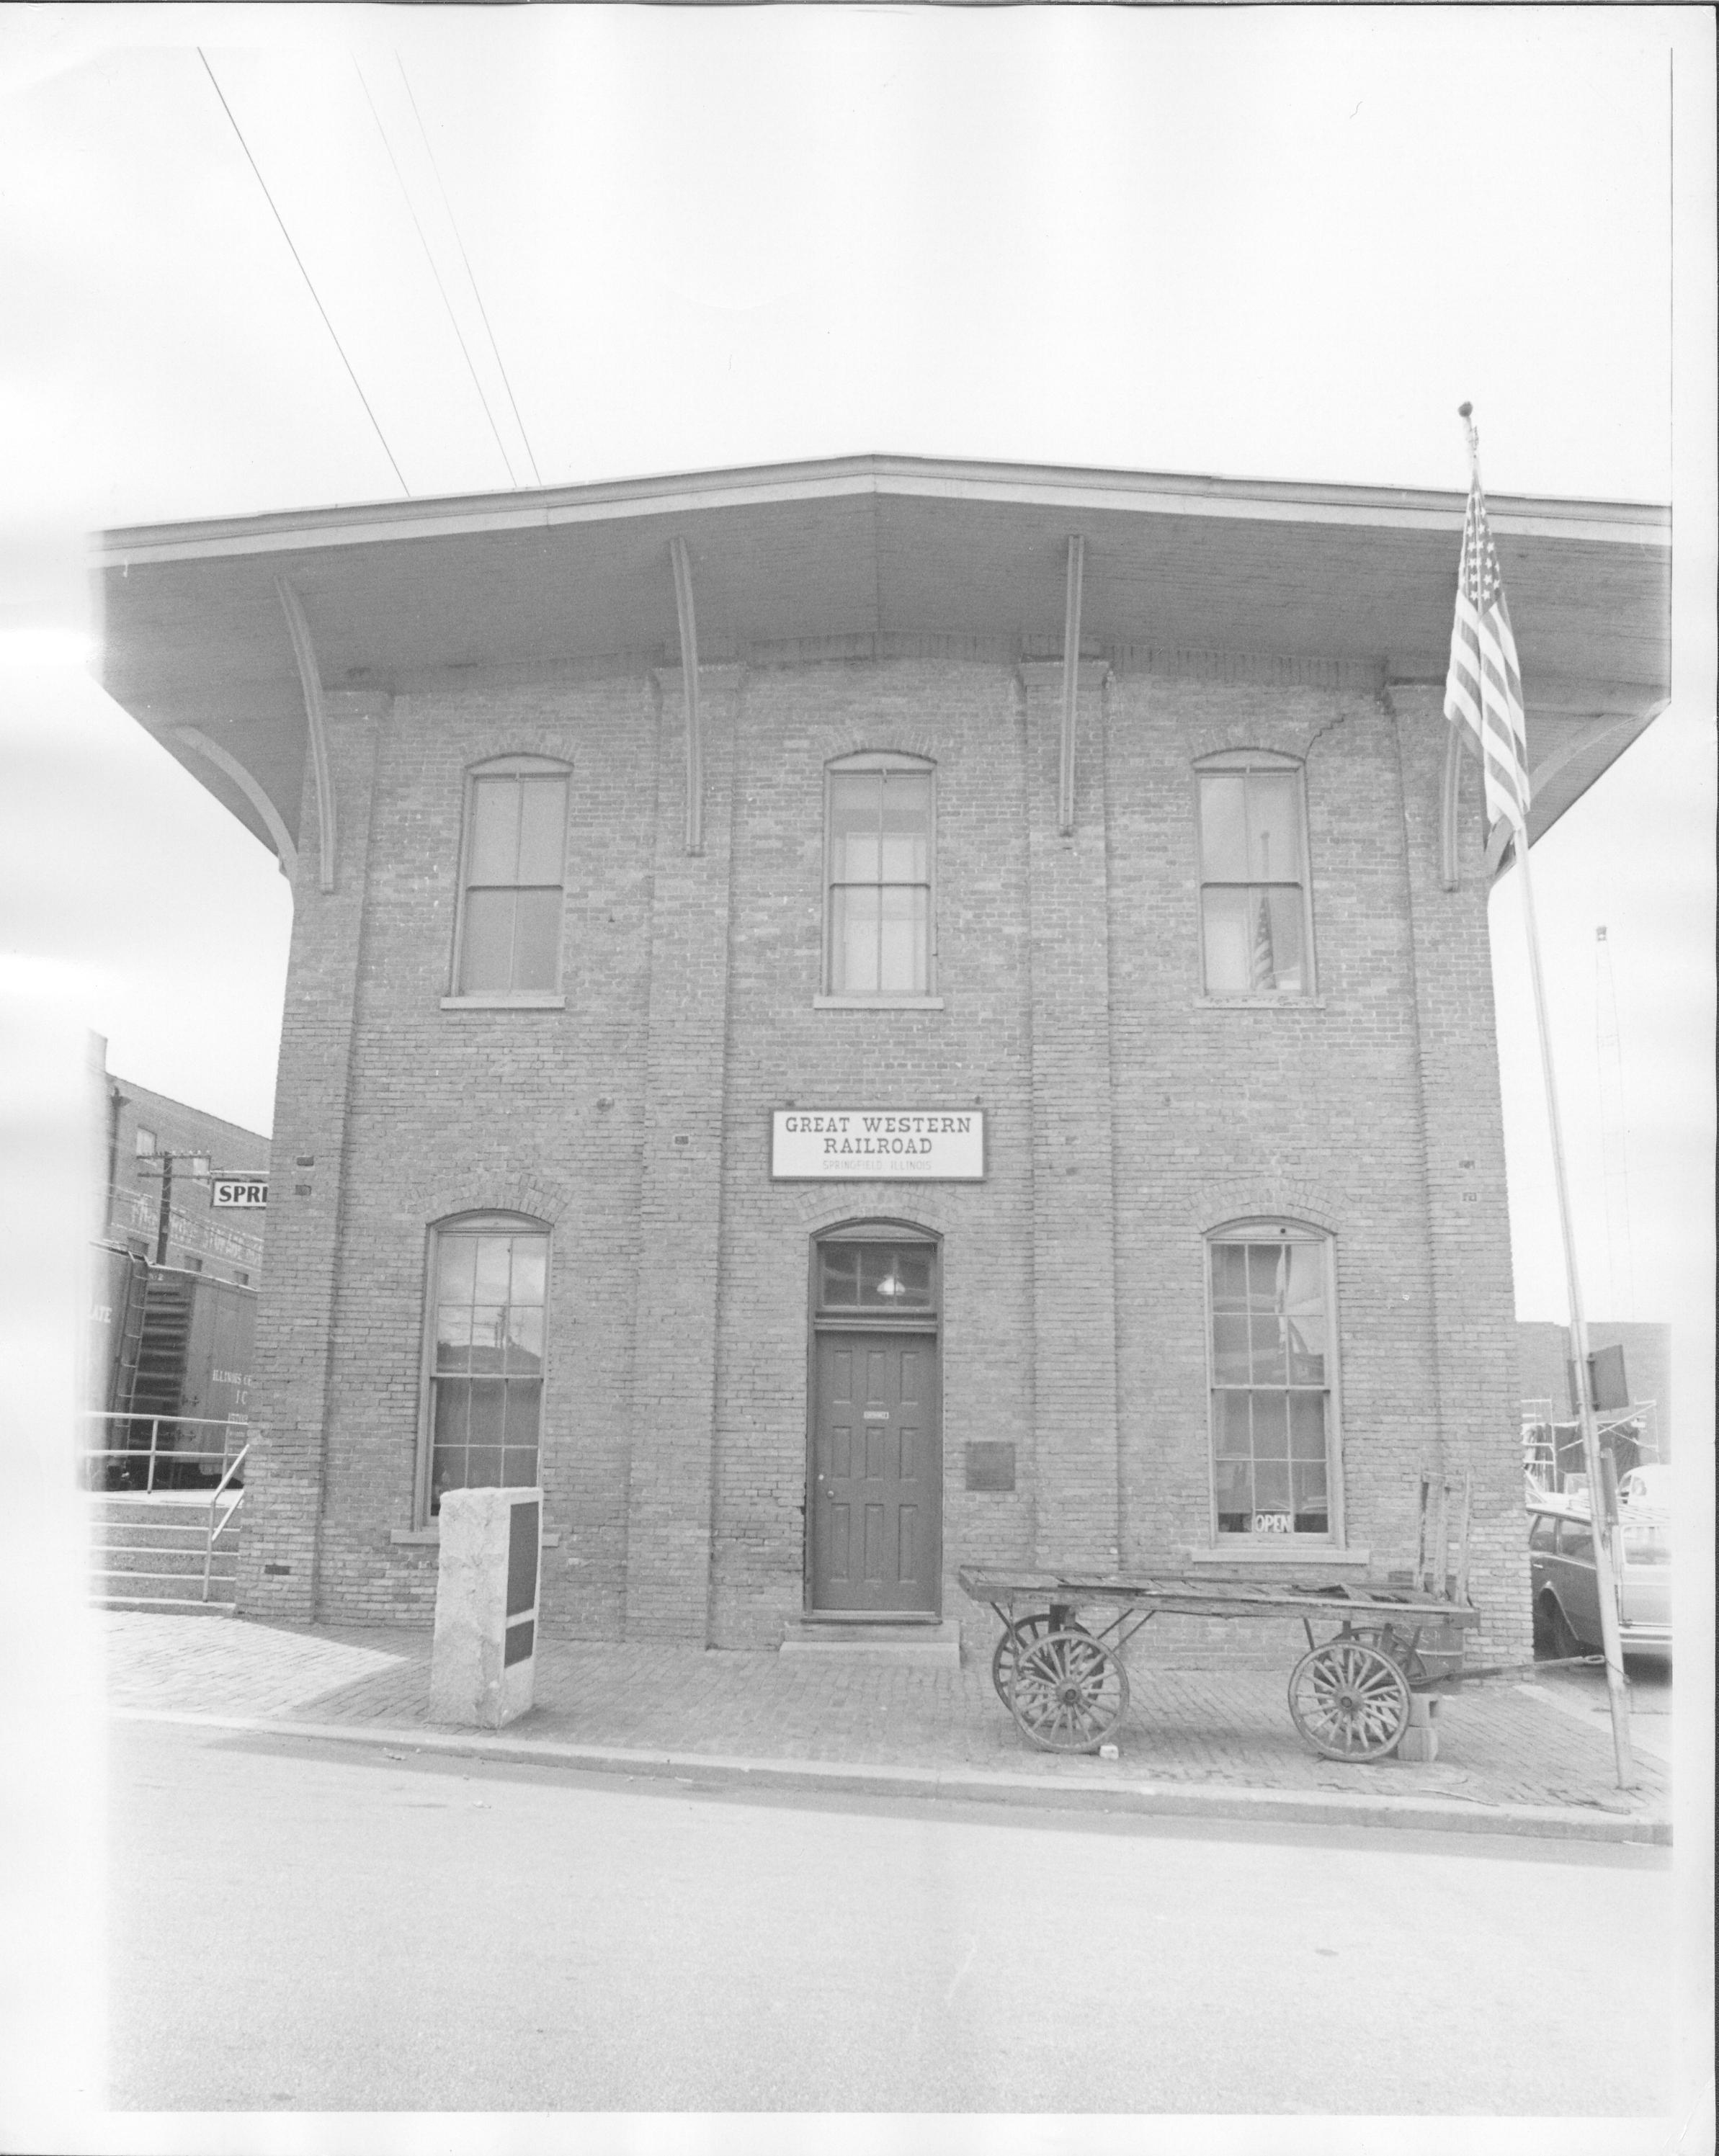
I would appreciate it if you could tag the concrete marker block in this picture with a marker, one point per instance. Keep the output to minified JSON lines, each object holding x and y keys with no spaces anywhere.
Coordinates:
{"x":483,"y":1658}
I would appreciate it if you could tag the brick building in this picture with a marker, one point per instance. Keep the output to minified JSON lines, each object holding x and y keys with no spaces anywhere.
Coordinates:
{"x":856,"y":1018}
{"x":142,"y":1127}
{"x":1548,"y":1388}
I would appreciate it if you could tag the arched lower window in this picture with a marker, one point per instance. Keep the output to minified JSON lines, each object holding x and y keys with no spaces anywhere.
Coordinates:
{"x":1256,"y":925}
{"x":877,"y":876}
{"x":1272,"y":1344}
{"x":488,"y":1284}
{"x":512,"y":877}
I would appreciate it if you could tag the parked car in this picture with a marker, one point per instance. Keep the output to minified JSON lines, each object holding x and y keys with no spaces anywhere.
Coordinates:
{"x":1649,"y":1487}
{"x":1566,"y":1588}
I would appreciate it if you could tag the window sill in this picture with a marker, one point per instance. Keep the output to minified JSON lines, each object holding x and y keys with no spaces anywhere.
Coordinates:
{"x":536,"y":1000}
{"x":1304,"y":1551}
{"x":431,"y":1536}
{"x":1260,"y":1002}
{"x":877,"y":1003}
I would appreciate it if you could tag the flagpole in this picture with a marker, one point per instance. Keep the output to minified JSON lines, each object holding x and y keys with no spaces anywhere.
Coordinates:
{"x":1598,"y":1507}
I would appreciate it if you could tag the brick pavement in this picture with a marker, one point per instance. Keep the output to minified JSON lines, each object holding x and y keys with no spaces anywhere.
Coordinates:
{"x":1229,"y":1729}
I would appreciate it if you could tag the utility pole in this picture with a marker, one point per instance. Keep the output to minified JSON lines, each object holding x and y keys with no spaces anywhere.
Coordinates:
{"x":198,"y":1165}
{"x":164,"y":1215}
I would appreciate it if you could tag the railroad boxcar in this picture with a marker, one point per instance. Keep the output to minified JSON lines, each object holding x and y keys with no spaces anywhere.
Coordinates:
{"x":118,"y":1280}
{"x":193,"y":1375}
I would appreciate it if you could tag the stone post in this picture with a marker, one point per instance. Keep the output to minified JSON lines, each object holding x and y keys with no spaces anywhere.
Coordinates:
{"x":483,"y":1654}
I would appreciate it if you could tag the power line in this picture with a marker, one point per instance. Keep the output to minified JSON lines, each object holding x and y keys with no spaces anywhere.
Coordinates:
{"x":304,"y":272}
{"x":436,"y":273}
{"x":466,"y":259}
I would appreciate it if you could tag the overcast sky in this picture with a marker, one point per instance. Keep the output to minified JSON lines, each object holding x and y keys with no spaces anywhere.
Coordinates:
{"x":566,"y":244}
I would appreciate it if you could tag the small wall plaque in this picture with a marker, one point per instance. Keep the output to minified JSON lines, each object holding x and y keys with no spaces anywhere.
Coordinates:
{"x":990,"y":1465}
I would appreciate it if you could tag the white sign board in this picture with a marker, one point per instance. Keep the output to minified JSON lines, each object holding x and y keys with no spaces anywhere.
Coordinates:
{"x":239,"y":1190}
{"x":877,"y":1144}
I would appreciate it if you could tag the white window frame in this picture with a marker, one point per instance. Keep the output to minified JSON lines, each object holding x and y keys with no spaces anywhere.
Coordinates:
{"x":144,"y":1141}
{"x":468,"y":1224}
{"x":507,"y":767}
{"x":883,"y":761}
{"x":1265,"y":1228}
{"x":1264,"y":759}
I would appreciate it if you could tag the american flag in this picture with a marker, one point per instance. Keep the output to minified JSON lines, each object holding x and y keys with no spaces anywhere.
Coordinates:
{"x":1262,"y":969}
{"x":1483,"y":690}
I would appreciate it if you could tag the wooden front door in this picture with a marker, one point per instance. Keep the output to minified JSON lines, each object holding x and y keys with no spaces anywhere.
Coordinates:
{"x":877,"y":1476}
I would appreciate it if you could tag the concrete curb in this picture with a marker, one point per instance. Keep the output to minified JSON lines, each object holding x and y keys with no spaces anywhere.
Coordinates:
{"x":1156,"y":1800}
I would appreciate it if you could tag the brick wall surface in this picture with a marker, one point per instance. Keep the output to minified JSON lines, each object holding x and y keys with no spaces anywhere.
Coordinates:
{"x":1127,"y":1117}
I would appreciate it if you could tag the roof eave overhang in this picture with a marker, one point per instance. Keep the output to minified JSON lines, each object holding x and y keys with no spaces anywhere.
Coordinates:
{"x":1071,"y":487}
{"x":908,"y":544}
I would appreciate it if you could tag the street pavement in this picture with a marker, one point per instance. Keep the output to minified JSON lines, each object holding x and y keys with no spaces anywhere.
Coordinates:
{"x":302,"y":1924}
{"x":1513,"y":1756}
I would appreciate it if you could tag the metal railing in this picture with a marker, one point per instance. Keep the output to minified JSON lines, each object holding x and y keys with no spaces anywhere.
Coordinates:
{"x":165,"y":1456}
{"x":208,"y":1547}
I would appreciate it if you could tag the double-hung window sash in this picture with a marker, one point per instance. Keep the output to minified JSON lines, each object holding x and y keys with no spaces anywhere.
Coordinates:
{"x":879,"y":883}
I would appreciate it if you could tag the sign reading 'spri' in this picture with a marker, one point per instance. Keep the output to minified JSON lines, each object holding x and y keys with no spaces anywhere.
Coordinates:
{"x":920,"y":1145}
{"x":243,"y":1190}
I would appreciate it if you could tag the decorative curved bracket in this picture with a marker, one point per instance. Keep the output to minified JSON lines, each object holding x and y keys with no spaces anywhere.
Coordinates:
{"x":689,"y":684}
{"x":316,"y":718}
{"x":1499,"y":840}
{"x":1070,"y":684}
{"x":224,"y":760}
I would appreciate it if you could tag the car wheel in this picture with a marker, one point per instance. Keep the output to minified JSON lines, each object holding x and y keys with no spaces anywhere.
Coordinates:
{"x":1559,"y":1638}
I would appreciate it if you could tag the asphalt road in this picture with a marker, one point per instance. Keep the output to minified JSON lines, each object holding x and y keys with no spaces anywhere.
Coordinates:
{"x":297,"y":1925}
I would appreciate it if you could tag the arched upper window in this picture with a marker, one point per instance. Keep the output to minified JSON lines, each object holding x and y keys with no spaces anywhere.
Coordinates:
{"x":512,"y":876}
{"x":872,"y":1269}
{"x":488,"y":1294}
{"x":878,"y":855}
{"x":1256,"y":923}
{"x":1272,"y":1348}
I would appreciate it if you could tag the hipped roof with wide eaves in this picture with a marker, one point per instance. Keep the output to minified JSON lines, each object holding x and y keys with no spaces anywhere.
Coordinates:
{"x":872,"y":555}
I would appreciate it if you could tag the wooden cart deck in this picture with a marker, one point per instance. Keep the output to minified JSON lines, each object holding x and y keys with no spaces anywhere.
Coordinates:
{"x":1175,"y":1594}
{"x":1062,"y":1679}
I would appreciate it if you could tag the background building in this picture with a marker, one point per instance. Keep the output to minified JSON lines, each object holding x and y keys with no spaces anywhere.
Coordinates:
{"x":859,"y":1018}
{"x":142,"y":1126}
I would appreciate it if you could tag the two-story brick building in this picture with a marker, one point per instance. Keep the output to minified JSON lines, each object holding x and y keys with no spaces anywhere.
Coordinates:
{"x":853,"y":1017}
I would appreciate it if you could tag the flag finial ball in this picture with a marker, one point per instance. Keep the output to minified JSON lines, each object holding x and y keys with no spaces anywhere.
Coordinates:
{"x":1463,"y":411}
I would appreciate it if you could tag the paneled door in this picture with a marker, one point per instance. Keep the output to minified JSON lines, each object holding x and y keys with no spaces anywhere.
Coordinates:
{"x":877,"y":1474}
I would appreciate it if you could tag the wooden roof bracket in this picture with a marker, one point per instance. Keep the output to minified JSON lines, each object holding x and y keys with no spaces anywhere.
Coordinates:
{"x":689,"y":684}
{"x":224,"y":760}
{"x":1070,"y":684}
{"x":316,"y":719}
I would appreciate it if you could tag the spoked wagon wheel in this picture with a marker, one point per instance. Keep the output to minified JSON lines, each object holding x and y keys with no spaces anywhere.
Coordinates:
{"x":1070,"y":1691}
{"x":1391,"y":1642}
{"x":1349,"y":1700}
{"x":1022,"y":1633}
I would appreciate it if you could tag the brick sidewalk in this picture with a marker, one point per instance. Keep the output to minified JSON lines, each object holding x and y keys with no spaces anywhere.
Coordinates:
{"x":1499,"y":1746}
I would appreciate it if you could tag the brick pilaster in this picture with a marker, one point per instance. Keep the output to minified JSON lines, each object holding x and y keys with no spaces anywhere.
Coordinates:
{"x":284,"y":1475}
{"x":1074,"y":1204}
{"x":673,"y":1395}
{"x":1467,"y":1208}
